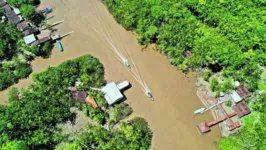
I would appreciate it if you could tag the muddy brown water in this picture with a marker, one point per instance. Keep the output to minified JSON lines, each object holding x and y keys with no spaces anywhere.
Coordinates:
{"x":170,"y":116}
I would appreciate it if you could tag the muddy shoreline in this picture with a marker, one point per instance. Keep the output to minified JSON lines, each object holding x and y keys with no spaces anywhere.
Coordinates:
{"x":170,"y":116}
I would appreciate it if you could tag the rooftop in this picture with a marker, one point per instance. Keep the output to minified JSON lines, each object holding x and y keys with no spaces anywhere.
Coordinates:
{"x":79,"y":96}
{"x":17,"y":11}
{"x":242,"y":91}
{"x":7,"y":8}
{"x":2,"y":2}
{"x":15,"y":20}
{"x":235,"y":97}
{"x":29,"y":39}
{"x":111,"y":93}
{"x":30,"y":31}
{"x":92,"y":102}
{"x":44,"y":33}
{"x":41,"y":41}
{"x":203,"y":127}
{"x":11,"y":14}
{"x":242,"y":109}
{"x":23,"y":25}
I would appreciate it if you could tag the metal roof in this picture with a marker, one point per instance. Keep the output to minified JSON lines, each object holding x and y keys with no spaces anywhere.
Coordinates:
{"x":112,"y":93}
{"x":29,"y":39}
{"x":242,"y":109}
{"x":235,"y":97}
{"x":16,"y":10}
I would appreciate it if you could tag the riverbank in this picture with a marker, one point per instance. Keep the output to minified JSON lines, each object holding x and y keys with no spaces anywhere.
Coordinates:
{"x":171,"y":114}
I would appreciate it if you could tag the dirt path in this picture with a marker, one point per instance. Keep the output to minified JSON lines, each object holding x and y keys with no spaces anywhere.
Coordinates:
{"x":171,"y":114}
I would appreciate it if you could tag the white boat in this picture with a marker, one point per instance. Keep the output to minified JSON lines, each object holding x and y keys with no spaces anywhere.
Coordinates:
{"x":199,"y":110}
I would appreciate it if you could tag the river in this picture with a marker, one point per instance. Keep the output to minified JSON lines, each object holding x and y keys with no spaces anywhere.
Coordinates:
{"x":170,"y":116}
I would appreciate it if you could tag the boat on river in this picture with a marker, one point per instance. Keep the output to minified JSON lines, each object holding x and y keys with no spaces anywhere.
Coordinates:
{"x":198,"y":111}
{"x":59,"y":46}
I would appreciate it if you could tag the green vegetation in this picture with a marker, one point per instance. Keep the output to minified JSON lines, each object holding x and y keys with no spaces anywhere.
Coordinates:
{"x":228,"y":103}
{"x":207,"y":75}
{"x":223,"y":36}
{"x":30,"y":119}
{"x":27,"y":8}
{"x":252,"y":136}
{"x":15,"y":55}
{"x":119,"y":112}
{"x":133,"y":134}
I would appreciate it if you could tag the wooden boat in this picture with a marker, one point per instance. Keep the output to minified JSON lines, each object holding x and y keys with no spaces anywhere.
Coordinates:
{"x":199,"y":110}
{"x":59,"y":46}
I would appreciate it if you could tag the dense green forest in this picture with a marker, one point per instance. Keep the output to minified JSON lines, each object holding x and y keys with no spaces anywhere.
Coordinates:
{"x":30,"y":119}
{"x":226,"y":36}
{"x":15,"y":55}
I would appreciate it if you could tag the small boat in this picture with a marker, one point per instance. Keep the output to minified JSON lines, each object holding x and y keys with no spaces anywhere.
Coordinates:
{"x":199,"y":110}
{"x":59,"y":46}
{"x":48,"y":10}
{"x":150,"y":95}
{"x":127,"y":63}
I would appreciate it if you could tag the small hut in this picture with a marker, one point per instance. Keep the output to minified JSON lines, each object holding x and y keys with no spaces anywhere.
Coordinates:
{"x":79,"y":96}
{"x":23,"y":26}
{"x":203,"y":127}
{"x":15,"y":20}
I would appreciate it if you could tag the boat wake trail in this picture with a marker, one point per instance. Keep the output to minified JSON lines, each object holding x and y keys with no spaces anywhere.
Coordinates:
{"x":104,"y":33}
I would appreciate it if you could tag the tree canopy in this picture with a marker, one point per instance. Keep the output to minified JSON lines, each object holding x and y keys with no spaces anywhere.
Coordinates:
{"x":222,"y":35}
{"x":30,"y":119}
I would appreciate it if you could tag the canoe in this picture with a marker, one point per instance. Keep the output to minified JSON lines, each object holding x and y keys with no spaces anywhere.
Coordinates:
{"x":199,"y":110}
{"x":59,"y":46}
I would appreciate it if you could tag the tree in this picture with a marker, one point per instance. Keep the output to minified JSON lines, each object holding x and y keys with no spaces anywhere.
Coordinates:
{"x":27,"y":11}
{"x":214,"y":84}
{"x":15,"y":145}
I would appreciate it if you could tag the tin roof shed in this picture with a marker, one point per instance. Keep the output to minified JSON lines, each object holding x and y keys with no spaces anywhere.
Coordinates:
{"x":235,"y":97}
{"x":29,"y":39}
{"x":111,"y":93}
{"x":17,"y":11}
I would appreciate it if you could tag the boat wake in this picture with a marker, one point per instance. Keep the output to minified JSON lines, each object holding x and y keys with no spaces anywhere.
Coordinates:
{"x":104,"y":33}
